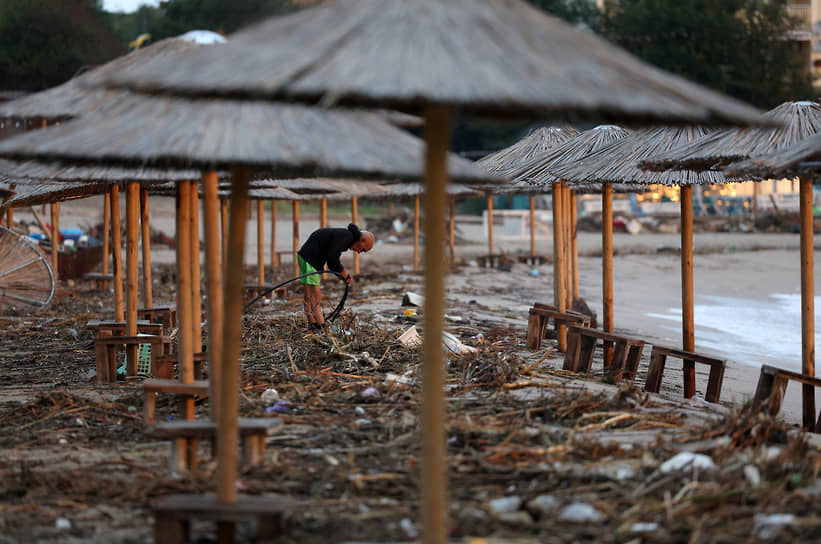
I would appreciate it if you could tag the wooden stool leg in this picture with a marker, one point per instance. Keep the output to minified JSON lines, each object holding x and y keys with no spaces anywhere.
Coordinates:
{"x":226,"y":533}
{"x":534,"y":340}
{"x":254,"y":446}
{"x":168,"y":530}
{"x":270,"y":527}
{"x":149,"y":407}
{"x":179,"y":456}
{"x":571,"y":356}
{"x":714,"y":383}
{"x":111,"y":359}
{"x":689,"y":379}
{"x":655,"y":372}
{"x":633,"y":358}
{"x":618,"y":360}
{"x":585,"y":360}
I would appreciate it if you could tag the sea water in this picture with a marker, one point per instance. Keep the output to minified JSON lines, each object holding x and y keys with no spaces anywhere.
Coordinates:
{"x":747,"y":331}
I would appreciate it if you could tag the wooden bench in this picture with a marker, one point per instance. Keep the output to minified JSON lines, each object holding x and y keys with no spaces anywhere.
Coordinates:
{"x":252,"y":433}
{"x":167,"y":315}
{"x":117,"y":328}
{"x":658,"y":358}
{"x":106,"y":353}
{"x":166,"y":365}
{"x":533,"y":260}
{"x":173,"y":515}
{"x":493,"y":261}
{"x":98,"y":279}
{"x":198,"y":389}
{"x":581,"y":343}
{"x":772,"y":384}
{"x":539,"y":318}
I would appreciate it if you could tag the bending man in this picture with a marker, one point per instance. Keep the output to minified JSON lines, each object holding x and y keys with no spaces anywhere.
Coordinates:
{"x":325,"y":247}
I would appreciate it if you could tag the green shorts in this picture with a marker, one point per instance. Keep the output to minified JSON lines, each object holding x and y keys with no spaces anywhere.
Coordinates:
{"x":304,"y":268}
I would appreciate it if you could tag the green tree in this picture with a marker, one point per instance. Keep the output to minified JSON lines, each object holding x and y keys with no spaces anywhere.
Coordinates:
{"x":573,"y":11}
{"x":45,"y":42}
{"x":739,"y":47}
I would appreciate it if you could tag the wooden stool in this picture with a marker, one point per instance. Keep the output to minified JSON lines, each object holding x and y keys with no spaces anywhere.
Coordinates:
{"x":658,"y":358}
{"x":539,"y":317}
{"x":117,"y":328}
{"x":581,"y":342}
{"x":198,"y":389}
{"x":167,"y":315}
{"x":106,"y":352}
{"x":99,"y":280}
{"x":173,"y":515}
{"x":166,"y":366}
{"x":772,"y":384}
{"x":252,"y":432}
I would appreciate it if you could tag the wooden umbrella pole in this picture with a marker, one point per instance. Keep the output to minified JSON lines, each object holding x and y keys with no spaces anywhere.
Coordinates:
{"x":532,"y":226}
{"x":490,"y":225}
{"x":227,"y":432}
{"x":574,"y":241}
{"x":274,"y":254}
{"x":296,"y":236}
{"x":558,"y":264}
{"x":106,"y":233}
{"x":213,"y":276}
{"x":568,"y":257}
{"x":323,"y":212}
{"x":687,"y":315}
{"x":434,"y":465}
{"x":452,"y":229}
{"x":607,"y":265}
{"x":117,"y":254}
{"x":416,"y":233}
{"x":224,"y":228}
{"x":755,"y":199}
{"x":132,"y":229}
{"x":355,"y":219}
{"x":185,"y":348}
{"x":196,"y":272}
{"x":261,"y":241}
{"x":146,"y":240}
{"x":807,"y":302}
{"x":55,"y":238}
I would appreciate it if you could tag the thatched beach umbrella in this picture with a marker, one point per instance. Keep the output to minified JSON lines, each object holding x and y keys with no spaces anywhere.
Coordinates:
{"x":509,"y":159}
{"x":293,"y":140}
{"x":618,"y":163}
{"x":537,"y":172}
{"x":485,"y":57}
{"x":800,"y":120}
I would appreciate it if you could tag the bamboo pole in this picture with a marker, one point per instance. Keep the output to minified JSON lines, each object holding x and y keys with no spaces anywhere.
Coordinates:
{"x":434,"y":465}
{"x":355,"y":218}
{"x":532,"y":226}
{"x":755,"y":199}
{"x":296,"y":236}
{"x":213,"y":276}
{"x":185,"y":348}
{"x":55,"y":239}
{"x":568,"y":261}
{"x":227,"y":432}
{"x":196,"y":273}
{"x":607,"y":265}
{"x":558,"y":264}
{"x":452,"y":229}
{"x":416,"y":233}
{"x":687,"y":315}
{"x":323,"y":212}
{"x":117,"y":254}
{"x":490,"y":225}
{"x":807,"y":300}
{"x":132,"y":229}
{"x":146,"y":240}
{"x":224,"y":228}
{"x":274,"y":254}
{"x":106,"y":233}
{"x":261,"y":241}
{"x":574,"y":241}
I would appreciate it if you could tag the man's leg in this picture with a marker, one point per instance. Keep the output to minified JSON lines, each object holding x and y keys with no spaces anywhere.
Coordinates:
{"x":315,"y":306}
{"x":306,"y":303}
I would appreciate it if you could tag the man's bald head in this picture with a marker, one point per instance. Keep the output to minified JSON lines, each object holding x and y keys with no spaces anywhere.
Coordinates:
{"x":365,"y":242}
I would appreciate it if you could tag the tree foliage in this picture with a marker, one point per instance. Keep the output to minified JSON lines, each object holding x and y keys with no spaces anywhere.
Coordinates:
{"x":739,"y":47}
{"x":45,"y":42}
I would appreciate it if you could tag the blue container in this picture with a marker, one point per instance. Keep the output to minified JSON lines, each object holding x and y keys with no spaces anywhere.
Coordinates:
{"x":71,"y":234}
{"x":35,"y":236}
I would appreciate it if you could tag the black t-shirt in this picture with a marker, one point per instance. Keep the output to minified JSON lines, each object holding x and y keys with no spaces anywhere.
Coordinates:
{"x":326,"y":246}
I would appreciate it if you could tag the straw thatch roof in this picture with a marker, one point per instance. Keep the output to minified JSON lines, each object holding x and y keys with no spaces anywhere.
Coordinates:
{"x":74,"y":97}
{"x":800,"y":120}
{"x":498,"y":57}
{"x":537,"y":170}
{"x":257,"y":191}
{"x":537,"y":142}
{"x":799,"y":158}
{"x":40,"y":171}
{"x":48,"y":193}
{"x":410,"y":190}
{"x":618,"y":162}
{"x":213,"y":134}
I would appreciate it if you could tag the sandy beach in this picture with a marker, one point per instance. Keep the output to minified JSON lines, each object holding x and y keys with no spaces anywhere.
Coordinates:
{"x":746,"y":303}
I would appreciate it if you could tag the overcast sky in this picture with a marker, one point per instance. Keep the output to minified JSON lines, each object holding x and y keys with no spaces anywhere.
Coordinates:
{"x":127,"y":5}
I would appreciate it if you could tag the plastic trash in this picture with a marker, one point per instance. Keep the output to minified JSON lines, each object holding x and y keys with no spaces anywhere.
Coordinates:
{"x":580,"y":512}
{"x":534,"y":273}
{"x":370,"y":393}
{"x":686,"y":460}
{"x":504,"y":505}
{"x":412,"y":299}
{"x":62,"y":523}
{"x":410,"y":337}
{"x":269,"y":396}
{"x":453,"y":345}
{"x":280,"y":406}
